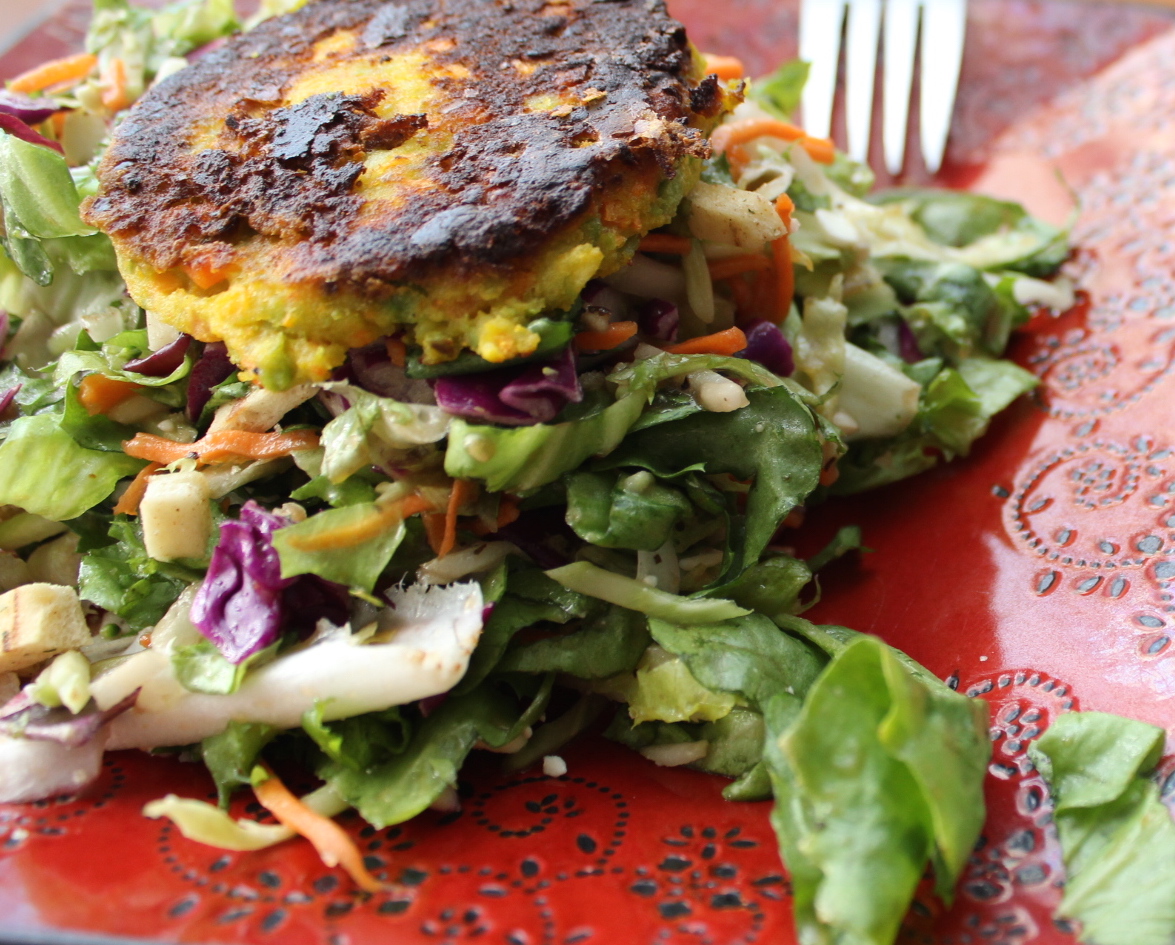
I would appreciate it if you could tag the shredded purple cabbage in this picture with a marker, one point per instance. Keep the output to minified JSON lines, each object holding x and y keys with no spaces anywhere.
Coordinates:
{"x":659,"y":320}
{"x":238,"y":607}
{"x":8,"y":397}
{"x":162,"y":362}
{"x":18,"y":129}
{"x":244,"y":604}
{"x":767,"y":345}
{"x":514,"y":397}
{"x":22,"y":717}
{"x":211,"y":368}
{"x":32,"y":111}
{"x":907,"y":344}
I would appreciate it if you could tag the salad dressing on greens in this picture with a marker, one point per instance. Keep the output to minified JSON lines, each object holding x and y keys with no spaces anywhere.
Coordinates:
{"x":372,"y":576}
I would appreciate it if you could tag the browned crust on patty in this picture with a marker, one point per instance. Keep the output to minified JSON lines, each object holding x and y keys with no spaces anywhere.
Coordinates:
{"x":509,"y":180}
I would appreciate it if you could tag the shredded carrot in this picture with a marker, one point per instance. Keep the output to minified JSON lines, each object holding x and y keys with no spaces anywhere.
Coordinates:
{"x":115,"y":95}
{"x":721,"y":342}
{"x":741,"y":292}
{"x":100,"y":394}
{"x":222,"y":446}
{"x":328,"y":838}
{"x":665,"y":243}
{"x":434,"y":530}
{"x":725,"y":67}
{"x":464,"y":492}
{"x":71,"y":69}
{"x":57,"y":123}
{"x":365,"y":529}
{"x":726,"y":136}
{"x":128,"y":504}
{"x":611,"y":337}
{"x":785,"y":274}
{"x":397,"y":351}
{"x":829,"y":474}
{"x":736,"y":265}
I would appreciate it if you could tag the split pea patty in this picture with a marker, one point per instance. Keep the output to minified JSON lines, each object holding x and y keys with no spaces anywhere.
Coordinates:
{"x":444,"y":169}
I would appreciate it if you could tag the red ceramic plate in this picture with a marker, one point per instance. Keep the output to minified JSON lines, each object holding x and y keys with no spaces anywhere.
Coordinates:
{"x":1037,"y":574}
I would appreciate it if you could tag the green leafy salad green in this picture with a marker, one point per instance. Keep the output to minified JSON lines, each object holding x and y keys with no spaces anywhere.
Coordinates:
{"x":373,"y":577}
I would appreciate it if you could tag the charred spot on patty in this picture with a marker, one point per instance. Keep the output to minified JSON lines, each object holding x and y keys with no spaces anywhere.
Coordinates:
{"x":450,"y":170}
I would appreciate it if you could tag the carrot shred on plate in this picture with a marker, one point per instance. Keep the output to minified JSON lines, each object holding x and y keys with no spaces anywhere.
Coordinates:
{"x":727,"y":136}
{"x":356,"y":533}
{"x":721,"y":342}
{"x":101,"y":394}
{"x":128,"y":503}
{"x":463,"y":492}
{"x":219,"y":447}
{"x":611,"y":337}
{"x":665,"y":243}
{"x":725,"y":67}
{"x":328,"y":838}
{"x":737,"y":265}
{"x":70,"y":69}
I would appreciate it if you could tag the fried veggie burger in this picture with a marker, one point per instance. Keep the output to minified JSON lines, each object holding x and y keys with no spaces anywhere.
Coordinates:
{"x":447,"y":171}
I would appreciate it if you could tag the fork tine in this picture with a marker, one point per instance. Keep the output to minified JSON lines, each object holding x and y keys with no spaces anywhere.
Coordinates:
{"x":901,"y":34}
{"x":820,"y":26}
{"x":944,"y":26}
{"x":863,"y":32}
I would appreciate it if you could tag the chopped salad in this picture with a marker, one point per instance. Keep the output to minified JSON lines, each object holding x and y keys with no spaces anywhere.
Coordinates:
{"x":374,"y":576}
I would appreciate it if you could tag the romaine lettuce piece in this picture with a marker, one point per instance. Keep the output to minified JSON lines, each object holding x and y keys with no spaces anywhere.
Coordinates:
{"x":44,"y":471}
{"x":357,"y":565}
{"x":520,"y":459}
{"x":1117,"y":836}
{"x":374,"y":429}
{"x":664,"y":690}
{"x":989,"y":233}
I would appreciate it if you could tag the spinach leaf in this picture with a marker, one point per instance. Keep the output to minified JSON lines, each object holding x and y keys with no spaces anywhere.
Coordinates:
{"x":613,"y":510}
{"x":773,"y":441}
{"x":407,"y":784}
{"x":361,"y":741}
{"x":610,"y":642}
{"x":230,"y":756}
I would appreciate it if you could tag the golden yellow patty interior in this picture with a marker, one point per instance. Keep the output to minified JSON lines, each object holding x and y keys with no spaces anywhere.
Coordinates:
{"x":448,"y":171}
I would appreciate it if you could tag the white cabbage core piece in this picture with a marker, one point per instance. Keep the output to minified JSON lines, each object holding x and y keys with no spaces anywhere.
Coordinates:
{"x":425,"y":640}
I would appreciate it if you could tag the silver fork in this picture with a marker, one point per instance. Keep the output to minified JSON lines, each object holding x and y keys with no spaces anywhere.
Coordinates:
{"x":944,"y":24}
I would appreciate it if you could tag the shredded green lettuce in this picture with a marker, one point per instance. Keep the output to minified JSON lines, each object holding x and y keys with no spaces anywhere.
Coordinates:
{"x":44,"y":471}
